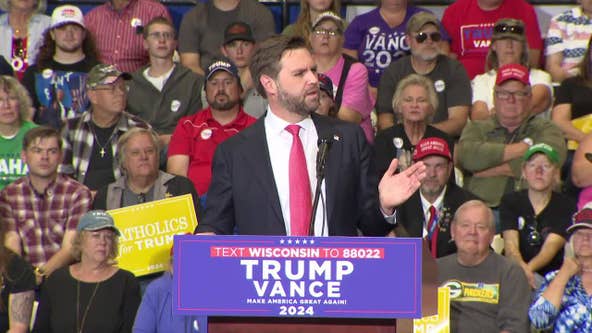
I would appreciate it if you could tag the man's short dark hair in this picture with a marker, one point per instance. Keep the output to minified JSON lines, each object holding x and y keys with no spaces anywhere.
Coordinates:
{"x":158,"y":20}
{"x":41,"y":132}
{"x":266,"y":60}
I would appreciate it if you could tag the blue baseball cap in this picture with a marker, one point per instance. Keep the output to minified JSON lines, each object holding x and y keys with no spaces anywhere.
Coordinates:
{"x":222,"y":65}
{"x":97,"y":220}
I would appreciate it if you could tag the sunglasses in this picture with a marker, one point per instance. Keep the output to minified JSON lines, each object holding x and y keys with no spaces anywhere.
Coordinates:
{"x":423,"y":36}
{"x":506,"y":28}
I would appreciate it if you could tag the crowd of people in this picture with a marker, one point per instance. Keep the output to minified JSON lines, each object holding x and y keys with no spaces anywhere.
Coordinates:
{"x":453,"y":130}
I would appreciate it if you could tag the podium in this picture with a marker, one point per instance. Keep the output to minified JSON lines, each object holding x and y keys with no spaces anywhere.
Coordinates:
{"x":304,"y":284}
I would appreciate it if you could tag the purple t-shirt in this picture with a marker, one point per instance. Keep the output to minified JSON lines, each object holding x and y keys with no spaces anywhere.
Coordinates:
{"x":378,"y":44}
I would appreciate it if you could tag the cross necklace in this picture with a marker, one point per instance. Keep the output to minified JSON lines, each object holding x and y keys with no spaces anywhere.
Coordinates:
{"x":102,"y":151}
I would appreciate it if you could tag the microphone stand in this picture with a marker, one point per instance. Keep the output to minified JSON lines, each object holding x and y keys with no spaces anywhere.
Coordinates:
{"x":324,"y":146}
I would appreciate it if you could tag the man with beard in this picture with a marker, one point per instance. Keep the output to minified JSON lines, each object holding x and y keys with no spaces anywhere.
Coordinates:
{"x":450,"y":78}
{"x":57,"y":82}
{"x":263,"y":177}
{"x":429,"y":211}
{"x":196,"y":137}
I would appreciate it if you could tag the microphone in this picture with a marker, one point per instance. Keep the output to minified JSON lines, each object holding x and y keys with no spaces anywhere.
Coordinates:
{"x":324,"y":148}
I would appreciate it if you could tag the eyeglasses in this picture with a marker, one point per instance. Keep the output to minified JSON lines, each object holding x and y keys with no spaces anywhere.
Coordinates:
{"x":325,"y":32}
{"x":505,"y":95}
{"x":506,"y":28}
{"x":421,"y":37}
{"x":162,"y":35}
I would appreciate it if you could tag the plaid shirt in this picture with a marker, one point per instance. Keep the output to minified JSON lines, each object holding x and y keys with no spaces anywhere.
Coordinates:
{"x":79,"y":140}
{"x":41,"y":220}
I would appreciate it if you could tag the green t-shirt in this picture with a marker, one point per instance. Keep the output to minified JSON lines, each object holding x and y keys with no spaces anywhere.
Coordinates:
{"x":11,"y":165}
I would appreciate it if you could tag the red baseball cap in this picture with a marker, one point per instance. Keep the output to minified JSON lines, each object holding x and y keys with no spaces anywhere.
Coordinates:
{"x":431,"y":146}
{"x":581,"y":219}
{"x":512,"y":72}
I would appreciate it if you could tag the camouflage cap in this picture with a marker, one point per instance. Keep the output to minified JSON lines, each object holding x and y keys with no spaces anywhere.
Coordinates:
{"x":103,"y":74}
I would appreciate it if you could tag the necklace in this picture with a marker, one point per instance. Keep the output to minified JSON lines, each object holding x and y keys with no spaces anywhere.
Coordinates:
{"x":102,"y":151}
{"x":80,"y":323}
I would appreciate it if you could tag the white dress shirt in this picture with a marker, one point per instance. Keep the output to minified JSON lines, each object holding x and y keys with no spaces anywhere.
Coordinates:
{"x":279,"y":142}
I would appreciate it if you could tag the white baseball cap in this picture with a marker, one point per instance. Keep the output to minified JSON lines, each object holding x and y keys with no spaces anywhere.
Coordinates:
{"x":66,"y":14}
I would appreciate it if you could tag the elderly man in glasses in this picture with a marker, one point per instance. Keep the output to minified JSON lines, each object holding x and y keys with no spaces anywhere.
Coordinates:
{"x":450,"y":78}
{"x":491,"y":150}
{"x":90,"y":140}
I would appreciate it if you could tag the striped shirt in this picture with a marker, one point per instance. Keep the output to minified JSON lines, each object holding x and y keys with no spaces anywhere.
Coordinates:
{"x":569,"y":33}
{"x":118,"y":34}
{"x":42,"y":219}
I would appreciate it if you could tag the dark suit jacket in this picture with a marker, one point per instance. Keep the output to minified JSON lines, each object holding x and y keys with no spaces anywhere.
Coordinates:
{"x":410,"y":216}
{"x":243,"y":193}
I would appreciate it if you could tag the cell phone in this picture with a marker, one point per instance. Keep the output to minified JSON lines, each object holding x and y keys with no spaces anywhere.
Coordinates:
{"x":569,"y":250}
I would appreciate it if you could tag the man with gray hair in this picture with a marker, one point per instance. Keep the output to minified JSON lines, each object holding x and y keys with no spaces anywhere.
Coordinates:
{"x":488,"y":292}
{"x":450,"y":78}
{"x":90,"y":140}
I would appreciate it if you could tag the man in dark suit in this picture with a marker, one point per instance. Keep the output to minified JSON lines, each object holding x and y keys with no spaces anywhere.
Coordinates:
{"x":429,"y":211}
{"x":263,"y":176}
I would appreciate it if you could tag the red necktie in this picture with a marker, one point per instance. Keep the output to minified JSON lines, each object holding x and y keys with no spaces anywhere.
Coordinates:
{"x":300,"y":197}
{"x":433,"y":230}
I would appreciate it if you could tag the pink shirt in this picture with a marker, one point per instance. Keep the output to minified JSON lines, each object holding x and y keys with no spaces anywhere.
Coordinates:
{"x":118,"y":34}
{"x":356,"y":95}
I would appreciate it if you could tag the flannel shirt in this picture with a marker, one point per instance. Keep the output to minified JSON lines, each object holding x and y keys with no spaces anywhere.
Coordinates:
{"x":79,"y":140}
{"x":42,"y":219}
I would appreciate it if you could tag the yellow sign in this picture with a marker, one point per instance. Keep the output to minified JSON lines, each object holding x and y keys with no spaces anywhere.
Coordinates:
{"x":584,"y":124}
{"x":147,"y":232}
{"x":439,"y":323}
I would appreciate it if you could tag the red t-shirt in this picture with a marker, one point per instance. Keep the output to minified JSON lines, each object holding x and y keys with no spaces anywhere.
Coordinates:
{"x":470,"y":29}
{"x":198,"y":136}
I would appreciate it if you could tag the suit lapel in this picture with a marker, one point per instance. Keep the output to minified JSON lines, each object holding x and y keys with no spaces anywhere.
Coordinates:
{"x":258,"y":165}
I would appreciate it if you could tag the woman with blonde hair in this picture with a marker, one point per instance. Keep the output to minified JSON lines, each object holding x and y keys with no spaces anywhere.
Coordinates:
{"x":414,"y":102}
{"x":15,"y":106}
{"x":533,"y":221}
{"x":21,"y":32}
{"x":92,"y":295}
{"x":309,"y":12}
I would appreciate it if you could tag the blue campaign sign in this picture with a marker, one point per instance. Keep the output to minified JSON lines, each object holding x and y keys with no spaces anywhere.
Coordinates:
{"x":273,"y":276}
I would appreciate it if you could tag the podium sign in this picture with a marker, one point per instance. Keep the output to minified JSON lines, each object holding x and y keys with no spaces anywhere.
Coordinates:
{"x":439,"y":323}
{"x":147,"y":232}
{"x":271,"y":276}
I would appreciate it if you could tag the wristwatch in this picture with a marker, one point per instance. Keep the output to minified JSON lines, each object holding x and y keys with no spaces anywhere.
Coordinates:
{"x":528,"y":141}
